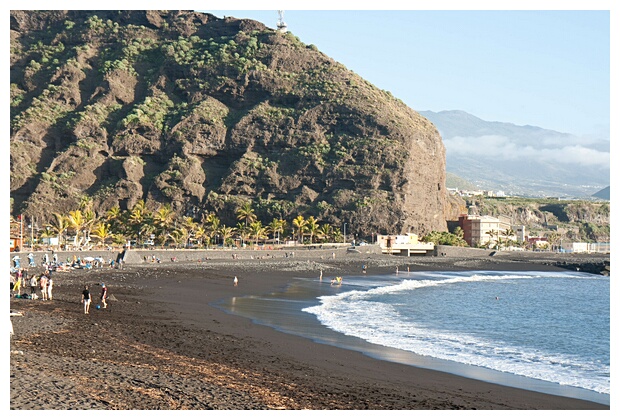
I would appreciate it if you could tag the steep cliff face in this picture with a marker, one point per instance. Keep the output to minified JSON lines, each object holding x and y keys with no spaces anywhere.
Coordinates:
{"x":205,"y":113}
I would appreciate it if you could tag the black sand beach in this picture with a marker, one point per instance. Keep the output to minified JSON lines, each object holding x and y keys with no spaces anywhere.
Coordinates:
{"x":162,"y":344}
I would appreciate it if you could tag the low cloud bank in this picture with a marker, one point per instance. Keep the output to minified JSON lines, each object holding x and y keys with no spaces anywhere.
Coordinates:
{"x":500,"y":147}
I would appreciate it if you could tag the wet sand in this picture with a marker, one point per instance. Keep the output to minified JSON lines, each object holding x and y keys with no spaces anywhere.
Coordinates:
{"x":163,"y":344}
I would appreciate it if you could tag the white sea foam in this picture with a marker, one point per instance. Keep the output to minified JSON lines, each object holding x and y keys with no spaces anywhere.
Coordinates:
{"x":372,"y":316}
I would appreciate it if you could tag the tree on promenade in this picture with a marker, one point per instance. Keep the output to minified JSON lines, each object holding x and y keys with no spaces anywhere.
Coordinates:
{"x":76,"y":222}
{"x":300,"y":224}
{"x":140,"y":223}
{"x":277,"y":227}
{"x":90,"y":218}
{"x":59,"y":225}
{"x":226,"y":232}
{"x":102,"y":232}
{"x":257,"y":231}
{"x":312,"y":227}
{"x":242,"y":230}
{"x":326,"y":232}
{"x":190,"y":227}
{"x":246,"y":213}
{"x":212,"y":226}
{"x":164,"y":221}
{"x":114,"y":217}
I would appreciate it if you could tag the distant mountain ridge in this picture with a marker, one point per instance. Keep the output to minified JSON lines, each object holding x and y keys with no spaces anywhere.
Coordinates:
{"x":603,"y":194}
{"x":521,"y":160}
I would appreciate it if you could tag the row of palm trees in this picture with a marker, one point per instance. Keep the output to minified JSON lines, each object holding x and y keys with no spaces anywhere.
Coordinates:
{"x":164,"y":227}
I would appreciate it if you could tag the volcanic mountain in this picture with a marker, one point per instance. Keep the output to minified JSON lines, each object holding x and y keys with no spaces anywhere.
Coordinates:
{"x":206,"y":113}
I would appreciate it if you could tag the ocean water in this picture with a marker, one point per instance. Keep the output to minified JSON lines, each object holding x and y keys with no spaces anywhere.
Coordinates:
{"x":550,"y":328}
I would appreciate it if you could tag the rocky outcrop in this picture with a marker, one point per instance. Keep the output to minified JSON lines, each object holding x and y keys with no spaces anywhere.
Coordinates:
{"x":205,"y":113}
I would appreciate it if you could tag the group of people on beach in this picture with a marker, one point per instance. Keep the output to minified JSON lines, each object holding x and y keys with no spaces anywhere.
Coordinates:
{"x":72,"y":262}
{"x":87,"y":298}
{"x":42,"y":283}
{"x":336,"y":281}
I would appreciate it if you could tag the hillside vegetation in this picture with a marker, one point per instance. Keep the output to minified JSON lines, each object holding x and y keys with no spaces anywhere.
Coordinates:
{"x":205,"y":114}
{"x":574,"y":220}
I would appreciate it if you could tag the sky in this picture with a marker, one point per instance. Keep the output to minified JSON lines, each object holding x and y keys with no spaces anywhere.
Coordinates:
{"x":547,"y":68}
{"x":544,"y":63}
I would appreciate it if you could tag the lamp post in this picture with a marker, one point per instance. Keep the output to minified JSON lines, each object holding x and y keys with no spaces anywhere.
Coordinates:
{"x":345,"y":233}
{"x":21,"y":232}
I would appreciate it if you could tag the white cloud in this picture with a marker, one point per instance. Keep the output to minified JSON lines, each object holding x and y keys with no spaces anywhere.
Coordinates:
{"x":500,"y":147}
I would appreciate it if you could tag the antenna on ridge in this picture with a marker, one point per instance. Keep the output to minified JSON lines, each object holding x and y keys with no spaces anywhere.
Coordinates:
{"x":281,"y":24}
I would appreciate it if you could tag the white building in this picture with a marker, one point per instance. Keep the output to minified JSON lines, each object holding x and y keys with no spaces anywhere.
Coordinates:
{"x":401,"y":244}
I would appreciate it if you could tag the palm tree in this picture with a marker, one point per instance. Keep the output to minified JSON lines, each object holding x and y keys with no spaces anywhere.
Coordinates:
{"x":47,"y":232}
{"x":493,"y":233}
{"x":312,"y":227}
{"x":508,"y":234}
{"x":201,"y":234}
{"x":190,"y":226}
{"x":59,"y":225}
{"x":118,"y":239}
{"x":113,"y":213}
{"x":459,"y":232}
{"x":326,"y":232}
{"x":102,"y":232}
{"x":178,"y":235}
{"x":338,"y":236}
{"x":140,"y":205}
{"x":135,"y":219}
{"x":212,"y":227}
{"x":242,"y":230}
{"x":277,"y":227}
{"x":257,"y":230}
{"x":163,"y":219}
{"x":226,"y":232}
{"x":76,"y":221}
{"x":300,"y":223}
{"x":90,"y":218}
{"x":553,"y":238}
{"x":113,"y":216}
{"x":246,"y":213}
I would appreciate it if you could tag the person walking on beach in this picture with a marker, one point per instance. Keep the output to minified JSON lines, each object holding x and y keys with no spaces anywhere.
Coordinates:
{"x":235,"y":281}
{"x":33,"y":284}
{"x":86,"y":299}
{"x":321,"y":275}
{"x":50,"y":284}
{"x":43,"y":285}
{"x":104,"y":295}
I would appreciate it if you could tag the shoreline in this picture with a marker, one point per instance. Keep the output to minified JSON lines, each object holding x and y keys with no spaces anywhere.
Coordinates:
{"x":282,"y":311}
{"x":165,"y":345}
